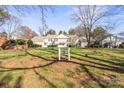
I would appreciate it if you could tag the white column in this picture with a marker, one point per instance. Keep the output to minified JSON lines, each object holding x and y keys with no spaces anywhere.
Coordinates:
{"x":69,"y":54}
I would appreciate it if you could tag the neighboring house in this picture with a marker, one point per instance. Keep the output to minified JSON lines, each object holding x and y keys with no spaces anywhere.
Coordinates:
{"x":40,"y":40}
{"x":112,"y":41}
{"x":60,"y":40}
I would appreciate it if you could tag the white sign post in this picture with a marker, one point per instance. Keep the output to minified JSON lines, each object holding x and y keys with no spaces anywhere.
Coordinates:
{"x":63,"y":52}
{"x":69,"y":54}
{"x":59,"y":54}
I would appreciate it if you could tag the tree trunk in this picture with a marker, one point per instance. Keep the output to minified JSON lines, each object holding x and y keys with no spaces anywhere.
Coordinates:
{"x":88,"y":43}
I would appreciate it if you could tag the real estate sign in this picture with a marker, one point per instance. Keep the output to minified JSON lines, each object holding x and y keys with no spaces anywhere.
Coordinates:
{"x":63,"y":52}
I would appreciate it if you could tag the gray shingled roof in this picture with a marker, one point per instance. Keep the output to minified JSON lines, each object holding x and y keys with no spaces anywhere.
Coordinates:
{"x":51,"y":36}
{"x":61,"y":36}
{"x":38,"y":39}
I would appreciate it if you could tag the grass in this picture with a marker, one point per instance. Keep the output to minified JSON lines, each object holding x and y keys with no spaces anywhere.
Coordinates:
{"x":39,"y":67}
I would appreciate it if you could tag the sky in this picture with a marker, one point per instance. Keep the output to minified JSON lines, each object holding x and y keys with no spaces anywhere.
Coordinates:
{"x":60,"y":19}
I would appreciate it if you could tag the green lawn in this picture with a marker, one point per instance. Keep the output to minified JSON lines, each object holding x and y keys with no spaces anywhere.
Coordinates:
{"x":39,"y":68}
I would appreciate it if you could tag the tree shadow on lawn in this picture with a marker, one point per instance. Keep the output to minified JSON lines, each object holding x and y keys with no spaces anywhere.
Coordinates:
{"x":51,"y":50}
{"x":120,"y":63}
{"x":4,"y":82}
{"x":113,"y":64}
{"x":8,"y":57}
{"x":25,"y":68}
{"x":83,"y":65}
{"x":102,"y":66}
{"x":100,"y":82}
{"x":38,"y":56}
{"x":42,"y":77}
{"x":18,"y":82}
{"x":93,"y":77}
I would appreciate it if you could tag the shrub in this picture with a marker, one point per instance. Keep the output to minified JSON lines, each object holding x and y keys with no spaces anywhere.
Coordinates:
{"x":106,"y":45}
{"x":96,"y":44}
{"x":71,"y":45}
{"x":21,"y":42}
{"x":12,"y":42}
{"x":35,"y":45}
{"x":30,"y":43}
{"x":8,"y":44}
{"x":121,"y":45}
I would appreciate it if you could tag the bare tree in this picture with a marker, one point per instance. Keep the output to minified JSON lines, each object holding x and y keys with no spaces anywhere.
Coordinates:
{"x":12,"y":26}
{"x":4,"y":16}
{"x":79,"y":31}
{"x":23,"y":10}
{"x":26,"y":33}
{"x":40,"y":31}
{"x":51,"y":32}
{"x":89,"y":16}
{"x":43,"y":9}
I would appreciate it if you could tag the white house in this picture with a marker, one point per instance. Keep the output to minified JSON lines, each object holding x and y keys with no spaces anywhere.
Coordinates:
{"x":60,"y":40}
{"x":112,"y":41}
